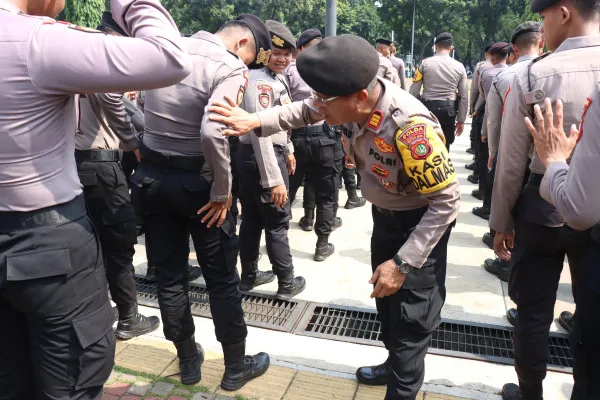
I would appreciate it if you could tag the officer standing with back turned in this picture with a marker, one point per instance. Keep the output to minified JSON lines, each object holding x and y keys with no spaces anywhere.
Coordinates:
{"x":56,"y":338}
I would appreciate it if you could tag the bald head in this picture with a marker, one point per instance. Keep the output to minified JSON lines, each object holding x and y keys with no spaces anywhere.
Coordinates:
{"x":43,"y":8}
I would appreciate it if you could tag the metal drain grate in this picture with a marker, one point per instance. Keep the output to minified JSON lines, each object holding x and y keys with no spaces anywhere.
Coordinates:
{"x":476,"y":341}
{"x":260,"y":310}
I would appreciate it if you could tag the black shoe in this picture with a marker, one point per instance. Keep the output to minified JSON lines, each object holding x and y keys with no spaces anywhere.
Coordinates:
{"x":194,"y":272}
{"x":377,"y":375}
{"x":511,"y":315}
{"x":475,"y":193}
{"x":471,"y":150}
{"x":482,"y":212}
{"x":287,"y":290}
{"x":240,"y":368}
{"x":139,"y":229}
{"x":337,"y":223}
{"x":473,"y":178}
{"x":324,"y":248}
{"x":498,"y":267}
{"x":262,"y":278}
{"x":488,"y":240}
{"x":566,"y":320}
{"x":115,"y":314}
{"x":510,"y":391}
{"x":353,"y":200}
{"x":133,"y":324}
{"x":191,"y":357}
{"x":308,"y":220}
{"x":471,"y":166}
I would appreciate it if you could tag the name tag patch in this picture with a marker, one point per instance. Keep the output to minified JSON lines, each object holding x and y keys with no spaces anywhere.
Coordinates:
{"x":379,"y":170}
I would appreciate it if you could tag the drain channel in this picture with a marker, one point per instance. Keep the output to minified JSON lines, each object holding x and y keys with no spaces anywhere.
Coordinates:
{"x":260,"y":310}
{"x":452,"y":338}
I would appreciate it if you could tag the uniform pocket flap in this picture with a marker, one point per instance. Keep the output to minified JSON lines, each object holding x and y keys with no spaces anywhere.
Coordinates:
{"x":141,"y":181}
{"x":93,"y":327}
{"x":326,"y":141}
{"x":536,"y":96}
{"x":37,"y":264}
{"x":88,"y":178}
{"x":123,"y":214}
{"x":194,"y":185}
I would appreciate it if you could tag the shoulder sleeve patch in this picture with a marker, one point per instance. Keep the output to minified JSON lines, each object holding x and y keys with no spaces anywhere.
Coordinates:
{"x":418,"y":75}
{"x":426,"y":160}
{"x":264,"y":91}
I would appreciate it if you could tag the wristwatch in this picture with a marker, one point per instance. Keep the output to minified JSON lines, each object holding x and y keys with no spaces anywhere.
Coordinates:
{"x":402,"y":265}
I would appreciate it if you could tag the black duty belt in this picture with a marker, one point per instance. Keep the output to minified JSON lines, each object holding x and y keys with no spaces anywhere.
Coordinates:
{"x":535,"y":179}
{"x":279,"y":149}
{"x":439,"y":103}
{"x":385,"y":211}
{"x":186,"y":163}
{"x":312,"y":130}
{"x":98,"y":155}
{"x":50,"y":216}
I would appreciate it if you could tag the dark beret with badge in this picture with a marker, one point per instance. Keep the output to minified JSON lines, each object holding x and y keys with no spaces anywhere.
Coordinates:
{"x":281,"y":36}
{"x":108,"y":22}
{"x":541,"y":5}
{"x":339,"y":65}
{"x":262,"y":37}
{"x":500,"y":48}
{"x":307,"y":36}
{"x":524,"y":28}
{"x":383,"y":41}
{"x":444,"y":37}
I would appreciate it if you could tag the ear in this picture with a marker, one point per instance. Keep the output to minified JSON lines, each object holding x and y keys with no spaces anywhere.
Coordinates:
{"x":565,"y":14}
{"x":242,"y":42}
{"x":361,"y":99}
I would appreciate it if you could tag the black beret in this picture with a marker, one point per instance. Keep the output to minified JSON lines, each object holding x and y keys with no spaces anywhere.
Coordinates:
{"x":262,"y":37}
{"x":488,"y":47}
{"x":541,"y":5}
{"x":281,"y":36}
{"x":383,"y":41}
{"x":307,"y":36}
{"x":446,"y":36}
{"x":339,"y":65}
{"x":500,"y":48}
{"x":110,"y":23}
{"x":525,"y":27}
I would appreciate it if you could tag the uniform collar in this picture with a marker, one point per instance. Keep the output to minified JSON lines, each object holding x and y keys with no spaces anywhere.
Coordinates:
{"x":579,"y":42}
{"x":209,"y":37}
{"x":8,"y":6}
{"x":441,"y":55}
{"x":382,"y":109}
{"x":524,"y":58}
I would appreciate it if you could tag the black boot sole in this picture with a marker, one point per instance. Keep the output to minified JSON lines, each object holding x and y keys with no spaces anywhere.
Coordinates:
{"x":126,"y":335}
{"x":306,"y":228}
{"x":325,"y":256}
{"x":350,"y":206}
{"x":371,"y":382}
{"x":502,"y":275}
{"x":236,"y":385}
{"x":289,"y":296}
{"x":247,"y":288}
{"x":194,"y":380}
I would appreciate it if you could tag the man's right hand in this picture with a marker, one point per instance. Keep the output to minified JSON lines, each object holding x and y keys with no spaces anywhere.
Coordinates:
{"x":491,"y":162}
{"x":239,"y":121}
{"x":216,"y":212}
{"x":279,"y":195}
{"x":502,"y":243}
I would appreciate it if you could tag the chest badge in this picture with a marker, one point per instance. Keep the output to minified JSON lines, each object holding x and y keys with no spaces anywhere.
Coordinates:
{"x":416,"y":140}
{"x":586,"y":106}
{"x":383,"y":146}
{"x":379,"y":170}
{"x":386,"y":184}
{"x":375,"y":120}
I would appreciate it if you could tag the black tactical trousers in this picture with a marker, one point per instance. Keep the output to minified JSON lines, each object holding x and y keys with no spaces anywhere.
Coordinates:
{"x":56,"y":337}
{"x":409,"y":317}
{"x":445,"y":112}
{"x":109,"y":205}
{"x":169,"y":200}
{"x":585,"y":339}
{"x":483,"y":155}
{"x":350,"y":177}
{"x":537,"y":262}
{"x":316,"y":155}
{"x":258,"y":213}
{"x":476,"y":126}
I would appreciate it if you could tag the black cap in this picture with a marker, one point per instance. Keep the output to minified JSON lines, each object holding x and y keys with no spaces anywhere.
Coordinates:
{"x":444,"y":36}
{"x":500,"y":48}
{"x":110,"y":23}
{"x":487,"y":48}
{"x":262,"y":37}
{"x":525,"y":27}
{"x":281,"y":36}
{"x":383,"y":41}
{"x":339,"y":65}
{"x":541,"y":5}
{"x":307,"y":36}
{"x":510,"y":50}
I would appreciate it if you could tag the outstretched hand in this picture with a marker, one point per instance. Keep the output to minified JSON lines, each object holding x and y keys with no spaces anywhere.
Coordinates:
{"x":237,"y":119}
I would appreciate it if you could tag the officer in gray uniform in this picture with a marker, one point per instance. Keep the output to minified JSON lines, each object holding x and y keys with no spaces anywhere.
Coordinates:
{"x":407,"y":175}
{"x":183,"y":186}
{"x":575,"y":192}
{"x":398,"y":63}
{"x":444,"y":83}
{"x":263,"y":168}
{"x":318,"y":161}
{"x":474,"y":96}
{"x":524,"y":221}
{"x":386,"y":68}
{"x":56,"y":339}
{"x":527,"y":43}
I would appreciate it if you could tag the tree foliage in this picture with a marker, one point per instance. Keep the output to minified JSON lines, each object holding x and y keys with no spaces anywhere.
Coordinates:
{"x":86,"y":13}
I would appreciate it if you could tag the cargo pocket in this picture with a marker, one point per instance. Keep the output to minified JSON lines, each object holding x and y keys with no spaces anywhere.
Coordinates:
{"x":197,"y":194}
{"x":230,"y":242}
{"x":95,"y":348}
{"x":417,"y":312}
{"x":140,"y":186}
{"x":120,"y":227}
{"x":327,"y":152}
{"x":88,"y":178}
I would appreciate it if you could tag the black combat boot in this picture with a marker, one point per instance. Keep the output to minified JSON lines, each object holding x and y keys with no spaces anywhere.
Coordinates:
{"x":191,"y":357}
{"x":290,"y":287}
{"x":566,"y":320}
{"x":512,"y":315}
{"x":477,"y":194}
{"x":488,"y":239}
{"x":473,"y":178}
{"x":307,"y":222}
{"x":324,"y":248}
{"x":498,"y":267}
{"x":194,"y":272}
{"x":255,"y":278}
{"x":240,"y":368}
{"x":132,"y":324}
{"x":510,"y":391}
{"x":482,"y":212}
{"x":471,"y":150}
{"x":377,"y":375}
{"x":337,"y":223}
{"x":471,"y":166}
{"x":353,"y":200}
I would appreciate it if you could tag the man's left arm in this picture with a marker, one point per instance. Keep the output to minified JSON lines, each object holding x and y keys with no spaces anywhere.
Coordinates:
{"x":402,"y":74}
{"x":463,"y":93}
{"x":415,"y":88}
{"x":118,"y":120}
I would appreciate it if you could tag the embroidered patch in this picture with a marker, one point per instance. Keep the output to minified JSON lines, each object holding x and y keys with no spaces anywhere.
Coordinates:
{"x":505,"y":97}
{"x":586,"y":106}
{"x":277,"y":41}
{"x":415,"y":138}
{"x":263,"y":56}
{"x":379,"y":170}
{"x":240,"y":95}
{"x":375,"y":120}
{"x":246,"y":78}
{"x":383,"y":146}
{"x":386,"y":184}
{"x":418,"y":76}
{"x":264,"y":97}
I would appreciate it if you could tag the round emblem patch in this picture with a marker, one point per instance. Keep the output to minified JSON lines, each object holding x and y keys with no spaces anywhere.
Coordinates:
{"x":421,"y":149}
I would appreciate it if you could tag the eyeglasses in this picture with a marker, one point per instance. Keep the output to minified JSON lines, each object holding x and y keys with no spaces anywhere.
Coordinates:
{"x":324,"y":101}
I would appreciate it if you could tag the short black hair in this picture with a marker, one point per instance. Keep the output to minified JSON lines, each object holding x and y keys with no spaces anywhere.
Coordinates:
{"x":528,"y":40}
{"x":587,"y":9}
{"x":444,"y":44}
{"x":488,"y":47}
{"x":235,"y":24}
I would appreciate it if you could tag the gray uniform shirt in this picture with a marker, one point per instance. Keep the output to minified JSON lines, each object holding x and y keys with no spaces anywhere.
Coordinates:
{"x":104,"y":123}
{"x":398,"y":63}
{"x":575,"y":190}
{"x":176,"y":119}
{"x":479,"y":68}
{"x":567,"y":73}
{"x":387,"y":70}
{"x":44,"y":64}
{"x":485,"y":84}
{"x":442,"y":78}
{"x":267,"y":90}
{"x":402,"y":161}
{"x":495,"y":101}
{"x":299,"y":90}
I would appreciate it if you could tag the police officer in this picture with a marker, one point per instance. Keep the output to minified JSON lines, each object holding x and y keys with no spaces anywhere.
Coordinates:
{"x":537,"y":234}
{"x":575,"y":191}
{"x":386,"y":68}
{"x":444,"y":83}
{"x":411,"y":183}
{"x":474,"y":96}
{"x":498,"y":54}
{"x":398,"y":63}
{"x":527,"y":43}
{"x":183,"y":186}
{"x":56,"y":339}
{"x":316,"y":159}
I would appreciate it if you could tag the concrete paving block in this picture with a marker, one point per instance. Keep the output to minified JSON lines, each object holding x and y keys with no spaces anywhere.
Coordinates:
{"x":177,"y":398}
{"x":365,"y":392}
{"x":117,"y":389}
{"x":128,"y":378}
{"x":114,"y":375}
{"x":140,"y":388}
{"x":212,"y":373}
{"x":181,"y":392}
{"x":435,"y":396}
{"x":307,"y":385}
{"x":203,"y":396}
{"x":145,"y":357}
{"x":162,"y":389}
{"x":107,"y":396}
{"x":271,"y":386}
{"x":120,"y":346}
{"x":127,"y":397}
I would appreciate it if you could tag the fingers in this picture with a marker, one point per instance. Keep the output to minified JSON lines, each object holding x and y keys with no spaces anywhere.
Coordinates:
{"x":378,"y":290}
{"x":216,"y":215}
{"x":231,"y":102}
{"x":532,"y":129}
{"x":204,"y":209}
{"x":209,"y":214}
{"x":232,"y":132}
{"x":220,"y":104}
{"x":559,"y":113}
{"x":549,"y":120}
{"x":574,"y":136}
{"x":510,"y":242}
{"x":222,"y":118}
